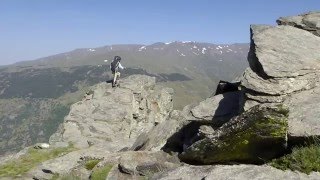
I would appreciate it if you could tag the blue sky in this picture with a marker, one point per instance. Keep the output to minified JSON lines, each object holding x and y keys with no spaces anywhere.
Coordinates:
{"x":31,"y":29}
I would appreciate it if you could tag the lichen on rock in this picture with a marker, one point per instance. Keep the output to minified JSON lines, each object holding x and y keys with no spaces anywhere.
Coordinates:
{"x":255,"y":136}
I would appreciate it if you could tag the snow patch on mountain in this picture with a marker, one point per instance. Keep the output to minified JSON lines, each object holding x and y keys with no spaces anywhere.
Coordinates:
{"x":187,"y":42}
{"x":142,"y":48}
{"x":204,"y":50}
{"x":219,"y":47}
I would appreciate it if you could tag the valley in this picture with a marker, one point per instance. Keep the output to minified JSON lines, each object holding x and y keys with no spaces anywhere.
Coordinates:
{"x":36,"y":95}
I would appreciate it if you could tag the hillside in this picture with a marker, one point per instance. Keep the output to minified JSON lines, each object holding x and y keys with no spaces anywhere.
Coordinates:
{"x":203,"y":63}
{"x":36,"y":95}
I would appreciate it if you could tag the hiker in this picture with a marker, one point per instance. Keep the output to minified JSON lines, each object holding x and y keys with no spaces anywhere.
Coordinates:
{"x":114,"y":67}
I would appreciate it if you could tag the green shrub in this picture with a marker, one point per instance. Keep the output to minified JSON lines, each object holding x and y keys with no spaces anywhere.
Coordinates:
{"x":31,"y":159}
{"x":91,"y":164}
{"x":303,"y":159}
{"x":101,"y":173}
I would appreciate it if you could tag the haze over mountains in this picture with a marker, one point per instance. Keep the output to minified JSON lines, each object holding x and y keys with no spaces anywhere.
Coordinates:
{"x":197,"y":61}
{"x":139,"y":55}
{"x":36,"y":95}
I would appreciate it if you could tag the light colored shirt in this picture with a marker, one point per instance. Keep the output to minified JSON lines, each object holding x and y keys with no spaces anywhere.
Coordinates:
{"x":119,"y":66}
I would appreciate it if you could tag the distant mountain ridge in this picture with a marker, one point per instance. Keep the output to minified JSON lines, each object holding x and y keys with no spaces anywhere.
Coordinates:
{"x":203,"y":63}
{"x":185,"y":49}
{"x":36,"y":95}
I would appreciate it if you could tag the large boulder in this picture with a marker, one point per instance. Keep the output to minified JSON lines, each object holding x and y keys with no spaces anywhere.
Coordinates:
{"x":162,"y":134}
{"x":285,"y":69}
{"x":182,"y":127}
{"x":283,"y":51}
{"x":114,"y":117}
{"x":141,"y":164}
{"x":304,"y":116}
{"x":255,"y":136}
{"x":218,"y":109}
{"x":308,"y":21}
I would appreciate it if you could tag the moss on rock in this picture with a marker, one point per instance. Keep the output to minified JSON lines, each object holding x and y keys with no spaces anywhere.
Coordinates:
{"x":255,"y":136}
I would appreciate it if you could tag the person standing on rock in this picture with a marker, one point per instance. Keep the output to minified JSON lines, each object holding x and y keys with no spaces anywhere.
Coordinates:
{"x":114,"y":67}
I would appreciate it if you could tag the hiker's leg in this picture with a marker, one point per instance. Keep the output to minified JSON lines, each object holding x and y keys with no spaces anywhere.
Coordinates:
{"x":118,"y":76}
{"x":114,"y":79}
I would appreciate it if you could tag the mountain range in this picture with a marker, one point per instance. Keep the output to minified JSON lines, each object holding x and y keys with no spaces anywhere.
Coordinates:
{"x":36,"y":95}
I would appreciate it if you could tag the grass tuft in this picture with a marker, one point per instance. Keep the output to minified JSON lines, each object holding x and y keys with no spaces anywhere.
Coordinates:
{"x":303,"y":159}
{"x":101,"y":173}
{"x":31,"y":159}
{"x":91,"y":164}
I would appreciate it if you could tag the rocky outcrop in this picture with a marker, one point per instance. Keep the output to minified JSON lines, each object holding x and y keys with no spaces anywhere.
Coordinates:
{"x":255,"y":136}
{"x":284,"y":64}
{"x":284,"y":72}
{"x":309,"y":22}
{"x":282,"y":51}
{"x":114,"y":118}
{"x":105,"y":124}
{"x":133,"y":165}
{"x":304,"y":116}
{"x":161,"y":135}
{"x":180,"y":131}
{"x":218,"y":109}
{"x":127,"y":164}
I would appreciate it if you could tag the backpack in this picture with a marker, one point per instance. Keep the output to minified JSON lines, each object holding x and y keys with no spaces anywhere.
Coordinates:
{"x":114,"y":65}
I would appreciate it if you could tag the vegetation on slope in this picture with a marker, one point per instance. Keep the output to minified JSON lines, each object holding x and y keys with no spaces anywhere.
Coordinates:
{"x":101,"y":172}
{"x":58,"y":113}
{"x":304,"y":159}
{"x":31,"y":159}
{"x":26,"y":122}
{"x":91,"y":164}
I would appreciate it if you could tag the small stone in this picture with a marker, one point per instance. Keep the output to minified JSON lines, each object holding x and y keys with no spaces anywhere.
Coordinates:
{"x":42,"y":146}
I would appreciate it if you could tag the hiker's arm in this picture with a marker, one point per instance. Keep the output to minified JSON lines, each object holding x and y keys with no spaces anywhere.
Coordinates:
{"x":120,"y":66}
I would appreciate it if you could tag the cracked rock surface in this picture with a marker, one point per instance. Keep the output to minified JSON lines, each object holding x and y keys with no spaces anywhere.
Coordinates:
{"x":114,"y":117}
